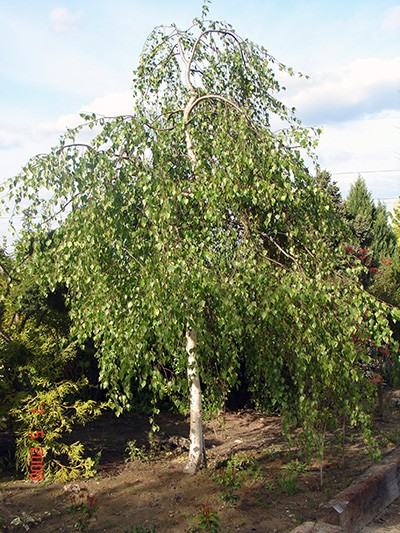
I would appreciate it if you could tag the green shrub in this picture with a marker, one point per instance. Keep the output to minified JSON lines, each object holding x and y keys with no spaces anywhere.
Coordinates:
{"x":289,"y":483}
{"x":42,"y":421}
{"x":232,"y":473}
{"x":206,"y":520}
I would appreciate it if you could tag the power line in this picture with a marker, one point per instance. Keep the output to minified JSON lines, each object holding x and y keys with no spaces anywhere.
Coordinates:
{"x":387,"y":199}
{"x":365,"y":171}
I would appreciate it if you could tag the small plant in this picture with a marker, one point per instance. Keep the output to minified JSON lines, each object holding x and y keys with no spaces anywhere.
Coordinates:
{"x":289,"y":479}
{"x":295,"y":467}
{"x":232,"y":473}
{"x":84,"y":507}
{"x":392,"y":437}
{"x":26,"y":521}
{"x":248,"y":467}
{"x":206,"y":520}
{"x":273,"y":451}
{"x":269,"y":485}
{"x":229,"y":477}
{"x":289,"y":484}
{"x":134,"y":452}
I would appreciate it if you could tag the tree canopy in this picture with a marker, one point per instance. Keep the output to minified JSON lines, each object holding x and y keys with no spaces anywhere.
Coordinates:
{"x":384,"y":238}
{"x":197,"y":213}
{"x":361,"y":211}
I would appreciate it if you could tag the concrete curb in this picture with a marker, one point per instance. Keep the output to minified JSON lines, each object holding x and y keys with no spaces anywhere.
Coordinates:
{"x":355,"y":507}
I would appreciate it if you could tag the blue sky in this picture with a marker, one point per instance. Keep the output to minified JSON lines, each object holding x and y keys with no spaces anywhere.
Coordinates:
{"x":59,"y":58}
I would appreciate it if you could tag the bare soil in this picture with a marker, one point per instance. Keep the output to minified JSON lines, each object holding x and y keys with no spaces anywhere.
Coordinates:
{"x":150,"y":492}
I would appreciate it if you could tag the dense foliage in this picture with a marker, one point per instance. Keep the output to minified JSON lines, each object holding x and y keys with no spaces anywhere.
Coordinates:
{"x":369,"y":223}
{"x":61,"y":413}
{"x":41,"y":366}
{"x":196,"y":211}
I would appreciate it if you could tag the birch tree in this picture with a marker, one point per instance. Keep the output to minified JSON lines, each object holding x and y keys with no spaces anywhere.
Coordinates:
{"x":192,"y":237}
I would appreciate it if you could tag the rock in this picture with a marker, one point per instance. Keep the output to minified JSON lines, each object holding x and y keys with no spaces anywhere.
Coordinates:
{"x":317,"y":527}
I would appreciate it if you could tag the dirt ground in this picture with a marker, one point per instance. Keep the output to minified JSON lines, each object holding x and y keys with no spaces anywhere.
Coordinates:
{"x":253,"y":482}
{"x":387,"y":522}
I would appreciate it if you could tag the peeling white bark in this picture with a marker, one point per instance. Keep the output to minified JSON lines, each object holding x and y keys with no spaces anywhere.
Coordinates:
{"x":196,"y":450}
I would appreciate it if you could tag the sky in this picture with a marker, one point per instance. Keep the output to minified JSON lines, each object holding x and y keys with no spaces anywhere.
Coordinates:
{"x":61,"y":58}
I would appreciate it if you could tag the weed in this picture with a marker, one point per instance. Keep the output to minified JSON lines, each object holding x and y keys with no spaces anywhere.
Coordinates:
{"x":230,"y":479}
{"x":273,"y":451}
{"x":289,"y":484}
{"x":295,"y":467}
{"x":26,"y":521}
{"x":289,"y":479}
{"x":269,"y":485}
{"x":232,"y":472}
{"x":392,"y":437}
{"x":249,"y":467}
{"x":134,"y":452}
{"x":84,"y":507}
{"x":206,"y":520}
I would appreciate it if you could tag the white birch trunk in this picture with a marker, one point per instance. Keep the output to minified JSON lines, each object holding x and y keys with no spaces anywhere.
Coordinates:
{"x":196,"y":450}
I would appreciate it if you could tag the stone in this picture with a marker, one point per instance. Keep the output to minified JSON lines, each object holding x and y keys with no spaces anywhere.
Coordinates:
{"x":317,"y":527}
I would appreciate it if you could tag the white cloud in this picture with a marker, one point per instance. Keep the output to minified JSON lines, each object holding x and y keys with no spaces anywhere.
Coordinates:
{"x":63,"y":20}
{"x":391,"y":20}
{"x":113,"y":104}
{"x":370,"y":147}
{"x":23,"y":137}
{"x":358,"y":107}
{"x":117,"y":103}
{"x":365,"y":86}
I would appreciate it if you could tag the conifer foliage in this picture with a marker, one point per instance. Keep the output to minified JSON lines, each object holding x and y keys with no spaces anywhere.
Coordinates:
{"x":369,"y":223}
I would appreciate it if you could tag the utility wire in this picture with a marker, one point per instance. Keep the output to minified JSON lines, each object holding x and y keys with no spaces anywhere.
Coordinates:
{"x":365,"y":171}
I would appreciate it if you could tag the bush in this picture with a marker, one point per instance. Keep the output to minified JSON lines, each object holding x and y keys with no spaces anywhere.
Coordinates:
{"x":42,"y":421}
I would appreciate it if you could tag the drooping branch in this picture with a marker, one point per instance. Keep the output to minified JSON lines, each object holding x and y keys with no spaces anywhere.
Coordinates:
{"x":215,"y":97}
{"x":218,"y":31}
{"x":7,"y":274}
{"x":286,"y":254}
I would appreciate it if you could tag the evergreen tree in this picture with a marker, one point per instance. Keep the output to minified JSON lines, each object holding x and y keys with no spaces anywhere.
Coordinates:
{"x":361,"y":212}
{"x":383,"y":237}
{"x":324,"y":180}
